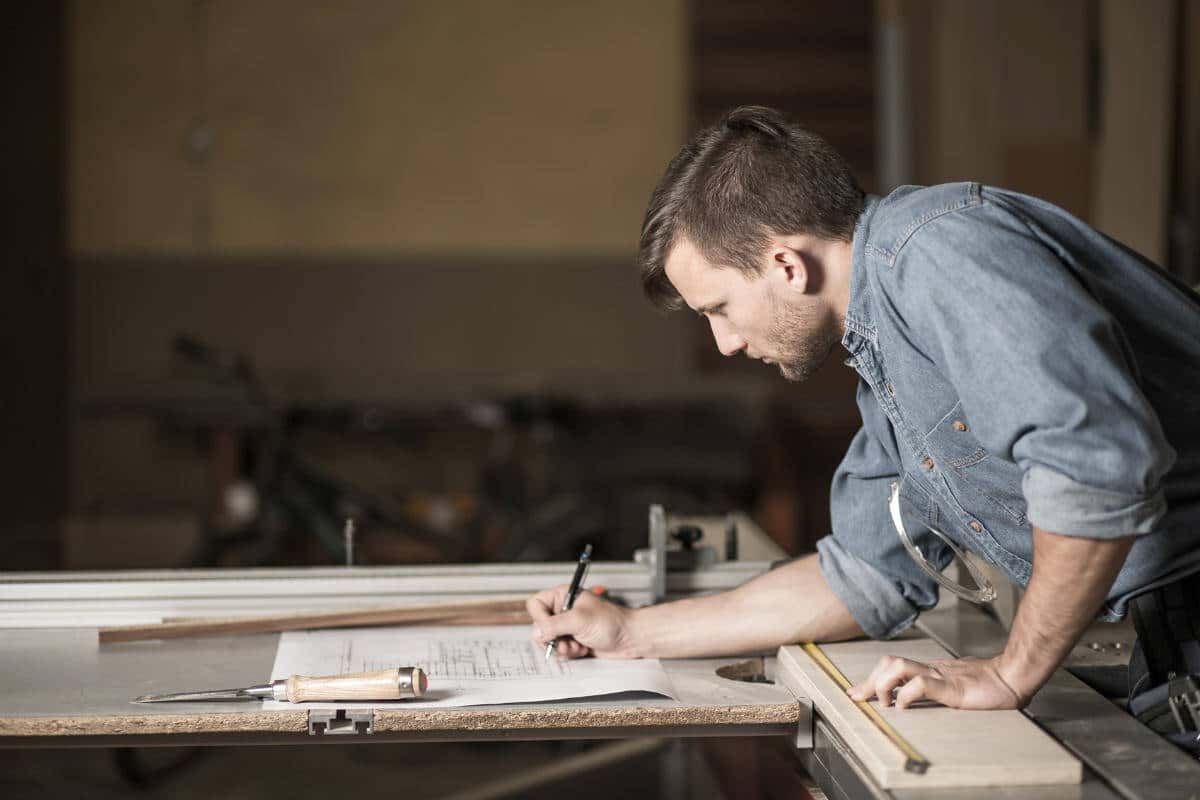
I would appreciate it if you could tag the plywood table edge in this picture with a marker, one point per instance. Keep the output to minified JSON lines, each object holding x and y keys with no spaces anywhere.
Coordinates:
{"x":156,"y":724}
{"x":398,"y":719}
{"x":804,"y":677}
{"x":559,"y":717}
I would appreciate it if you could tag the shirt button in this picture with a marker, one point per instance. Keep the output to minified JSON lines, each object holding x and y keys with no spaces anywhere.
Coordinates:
{"x":975,"y":526}
{"x":959,"y":425}
{"x":890,"y":389}
{"x":928,"y":462}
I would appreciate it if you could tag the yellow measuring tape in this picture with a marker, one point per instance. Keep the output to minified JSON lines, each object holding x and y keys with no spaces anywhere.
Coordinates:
{"x":914,"y":761}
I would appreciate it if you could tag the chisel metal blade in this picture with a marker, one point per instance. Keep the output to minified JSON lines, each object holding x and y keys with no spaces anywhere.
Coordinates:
{"x":212,"y":694}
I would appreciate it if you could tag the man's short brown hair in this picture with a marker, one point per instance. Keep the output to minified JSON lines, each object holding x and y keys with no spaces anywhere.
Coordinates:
{"x":735,"y":183}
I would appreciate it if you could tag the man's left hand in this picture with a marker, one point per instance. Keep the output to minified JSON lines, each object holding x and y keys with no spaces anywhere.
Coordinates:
{"x":972,"y":683}
{"x":1071,"y":576}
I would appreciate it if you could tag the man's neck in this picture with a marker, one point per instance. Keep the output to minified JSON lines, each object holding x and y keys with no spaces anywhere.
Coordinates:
{"x":838,"y":258}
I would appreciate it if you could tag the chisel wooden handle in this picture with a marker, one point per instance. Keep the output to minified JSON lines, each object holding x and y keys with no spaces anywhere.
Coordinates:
{"x":385,"y":684}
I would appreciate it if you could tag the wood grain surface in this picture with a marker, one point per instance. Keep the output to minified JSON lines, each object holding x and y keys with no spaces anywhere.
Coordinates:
{"x":965,"y":748}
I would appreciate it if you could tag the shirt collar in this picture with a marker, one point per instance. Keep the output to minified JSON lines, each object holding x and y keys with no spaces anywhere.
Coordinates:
{"x":860,"y":327}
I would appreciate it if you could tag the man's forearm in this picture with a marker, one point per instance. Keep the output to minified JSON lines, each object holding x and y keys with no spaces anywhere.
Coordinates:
{"x":789,"y":604}
{"x":1071,"y":577}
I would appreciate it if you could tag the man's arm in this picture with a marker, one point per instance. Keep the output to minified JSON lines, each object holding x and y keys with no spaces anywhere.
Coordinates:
{"x":1071,"y":577}
{"x":789,"y":604}
{"x":858,"y":581}
{"x":1047,"y":379}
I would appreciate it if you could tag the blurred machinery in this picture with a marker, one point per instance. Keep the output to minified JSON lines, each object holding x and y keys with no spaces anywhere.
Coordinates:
{"x":549,"y":472}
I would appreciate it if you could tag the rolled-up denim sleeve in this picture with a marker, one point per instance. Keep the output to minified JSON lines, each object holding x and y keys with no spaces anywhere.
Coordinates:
{"x":863,"y":560}
{"x":1045,"y":374}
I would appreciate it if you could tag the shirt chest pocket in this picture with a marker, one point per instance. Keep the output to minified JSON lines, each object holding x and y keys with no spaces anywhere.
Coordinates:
{"x":986,"y":485}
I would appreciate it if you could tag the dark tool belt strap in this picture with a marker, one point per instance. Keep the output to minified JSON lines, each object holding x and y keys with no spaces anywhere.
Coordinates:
{"x":1172,"y":708}
{"x":1167,"y":620}
{"x":1185,"y":703}
{"x":1164,"y":618}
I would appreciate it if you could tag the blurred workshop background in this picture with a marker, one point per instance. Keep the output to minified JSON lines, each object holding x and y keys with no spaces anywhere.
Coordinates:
{"x":271,"y":265}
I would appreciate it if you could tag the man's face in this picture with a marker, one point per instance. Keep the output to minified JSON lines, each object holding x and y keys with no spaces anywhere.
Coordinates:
{"x":762,"y":316}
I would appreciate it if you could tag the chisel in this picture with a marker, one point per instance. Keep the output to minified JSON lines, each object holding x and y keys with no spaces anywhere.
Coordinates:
{"x":385,"y":684}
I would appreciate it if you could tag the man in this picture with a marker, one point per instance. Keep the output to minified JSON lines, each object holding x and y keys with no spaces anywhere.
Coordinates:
{"x":1029,"y":388}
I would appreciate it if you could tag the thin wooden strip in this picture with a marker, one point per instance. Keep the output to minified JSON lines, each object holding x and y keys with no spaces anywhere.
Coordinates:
{"x":520,"y":617}
{"x":338,"y":619}
{"x":498,"y":618}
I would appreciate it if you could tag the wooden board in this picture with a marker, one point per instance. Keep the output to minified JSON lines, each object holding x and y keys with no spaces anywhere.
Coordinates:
{"x":965,"y":748}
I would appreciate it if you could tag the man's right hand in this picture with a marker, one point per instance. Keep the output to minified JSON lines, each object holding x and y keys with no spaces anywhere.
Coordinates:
{"x":790,"y":604}
{"x":594,"y":626}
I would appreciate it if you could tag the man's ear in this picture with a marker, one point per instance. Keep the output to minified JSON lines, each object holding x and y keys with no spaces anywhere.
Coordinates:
{"x":791,"y":269}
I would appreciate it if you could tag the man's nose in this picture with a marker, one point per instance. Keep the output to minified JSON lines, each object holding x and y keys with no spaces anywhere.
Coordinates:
{"x":728,"y":341}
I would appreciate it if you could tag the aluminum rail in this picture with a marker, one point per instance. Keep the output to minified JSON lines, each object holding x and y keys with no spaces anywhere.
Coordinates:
{"x":94,"y":599}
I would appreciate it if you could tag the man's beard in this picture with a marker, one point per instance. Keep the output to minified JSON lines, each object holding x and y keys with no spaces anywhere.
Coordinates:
{"x":802,"y":338}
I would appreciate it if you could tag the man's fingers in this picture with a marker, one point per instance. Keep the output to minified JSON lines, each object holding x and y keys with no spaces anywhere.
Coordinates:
{"x":864,"y":689}
{"x":545,"y":602}
{"x":897,"y":673}
{"x":569,"y":648}
{"x":911,"y":692}
{"x":557,"y":626}
{"x":924,"y":687}
{"x":585,"y":620}
{"x":542,"y":608}
{"x":889,"y":674}
{"x":959,"y":683}
{"x":536,"y":608}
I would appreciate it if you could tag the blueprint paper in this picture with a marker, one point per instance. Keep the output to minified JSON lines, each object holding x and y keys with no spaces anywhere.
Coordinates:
{"x":467,"y":666}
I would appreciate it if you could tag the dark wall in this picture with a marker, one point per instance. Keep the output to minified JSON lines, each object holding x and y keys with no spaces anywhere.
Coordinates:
{"x":34,"y":324}
{"x":814,"y":61}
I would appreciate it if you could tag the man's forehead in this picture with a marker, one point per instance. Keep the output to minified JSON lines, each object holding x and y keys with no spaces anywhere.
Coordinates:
{"x":690,"y":272}
{"x":699,"y":282}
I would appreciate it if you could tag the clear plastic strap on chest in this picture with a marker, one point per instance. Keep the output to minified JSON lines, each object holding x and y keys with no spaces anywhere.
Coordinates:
{"x":984,"y":591}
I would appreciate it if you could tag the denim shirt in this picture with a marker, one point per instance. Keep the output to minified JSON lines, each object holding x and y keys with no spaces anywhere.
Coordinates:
{"x":1016,"y":368}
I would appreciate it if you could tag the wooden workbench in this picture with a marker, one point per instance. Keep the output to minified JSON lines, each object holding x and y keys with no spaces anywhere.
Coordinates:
{"x":62,"y":687}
